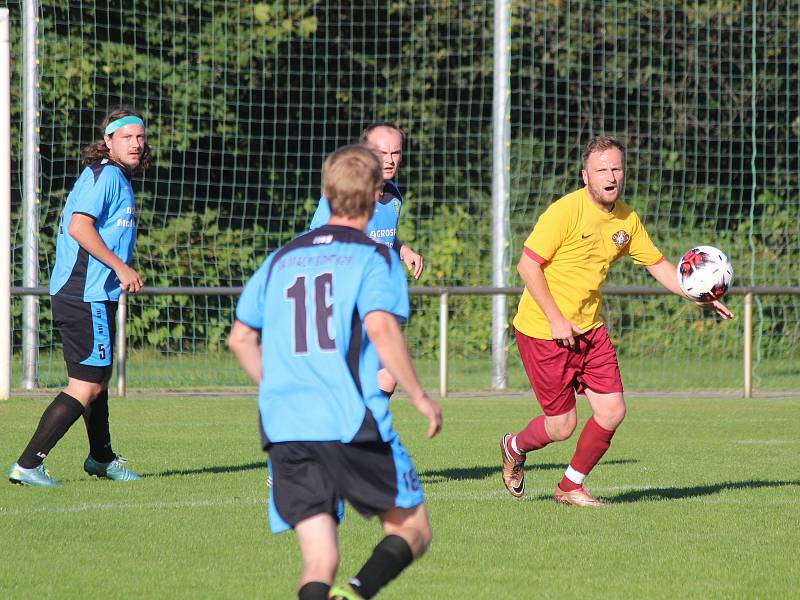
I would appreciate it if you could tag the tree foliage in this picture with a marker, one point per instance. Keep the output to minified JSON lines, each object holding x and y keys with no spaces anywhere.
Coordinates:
{"x":244,"y":99}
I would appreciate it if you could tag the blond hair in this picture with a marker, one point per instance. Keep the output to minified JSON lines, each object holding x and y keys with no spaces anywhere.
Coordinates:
{"x":350,"y":177}
{"x":598,"y":144}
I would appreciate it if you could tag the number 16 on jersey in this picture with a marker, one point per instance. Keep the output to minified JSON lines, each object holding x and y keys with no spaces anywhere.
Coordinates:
{"x":318,"y":310}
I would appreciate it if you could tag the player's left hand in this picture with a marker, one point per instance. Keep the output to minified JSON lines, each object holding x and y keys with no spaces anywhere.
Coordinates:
{"x":413,"y":261}
{"x":718,"y":307}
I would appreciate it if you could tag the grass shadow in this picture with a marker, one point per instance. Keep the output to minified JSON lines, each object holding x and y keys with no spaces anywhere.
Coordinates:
{"x":209,"y":470}
{"x":680,"y":493}
{"x":484,"y":472}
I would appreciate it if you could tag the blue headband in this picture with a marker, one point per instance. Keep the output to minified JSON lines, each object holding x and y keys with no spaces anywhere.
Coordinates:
{"x":121,"y":122}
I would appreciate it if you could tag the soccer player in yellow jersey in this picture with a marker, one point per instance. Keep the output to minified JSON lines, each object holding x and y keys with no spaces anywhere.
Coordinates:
{"x":564,"y":346}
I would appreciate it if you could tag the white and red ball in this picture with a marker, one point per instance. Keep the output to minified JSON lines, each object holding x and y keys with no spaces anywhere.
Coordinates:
{"x":705,"y":273}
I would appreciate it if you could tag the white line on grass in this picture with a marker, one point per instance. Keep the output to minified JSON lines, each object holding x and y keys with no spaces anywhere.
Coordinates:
{"x":181,"y":504}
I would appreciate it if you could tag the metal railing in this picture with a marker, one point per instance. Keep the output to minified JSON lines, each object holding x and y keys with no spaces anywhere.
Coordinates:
{"x":747,"y":318}
{"x":444,"y":294}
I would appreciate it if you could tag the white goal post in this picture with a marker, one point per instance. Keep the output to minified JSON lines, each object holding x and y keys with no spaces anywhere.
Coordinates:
{"x":5,"y":205}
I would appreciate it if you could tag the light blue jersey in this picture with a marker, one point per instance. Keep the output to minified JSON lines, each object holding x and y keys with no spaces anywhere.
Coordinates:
{"x":309,"y":299}
{"x":103,"y":192}
{"x":382,"y":226}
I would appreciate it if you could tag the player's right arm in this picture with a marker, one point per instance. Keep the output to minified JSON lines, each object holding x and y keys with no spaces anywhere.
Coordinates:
{"x":245,"y":337}
{"x":245,"y":343}
{"x":562,"y":329}
{"x":81,"y":228}
{"x":385,"y":334}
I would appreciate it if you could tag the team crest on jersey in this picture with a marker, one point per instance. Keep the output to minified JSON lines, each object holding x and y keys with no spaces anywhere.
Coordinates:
{"x":620,"y":238}
{"x":396,"y":203}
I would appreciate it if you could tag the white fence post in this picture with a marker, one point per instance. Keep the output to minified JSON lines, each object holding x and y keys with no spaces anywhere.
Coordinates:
{"x":501,"y":172}
{"x":443,"y":324}
{"x":5,"y":205}
{"x":121,"y":341}
{"x":748,"y":345}
{"x":30,"y":192}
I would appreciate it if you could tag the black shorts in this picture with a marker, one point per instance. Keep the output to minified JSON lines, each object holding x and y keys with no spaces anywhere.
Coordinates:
{"x":309,"y":478}
{"x":87,"y":331}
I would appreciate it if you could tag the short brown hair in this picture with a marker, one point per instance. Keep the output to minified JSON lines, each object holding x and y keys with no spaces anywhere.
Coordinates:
{"x":350,"y":177}
{"x":388,"y":124}
{"x":600,"y":143}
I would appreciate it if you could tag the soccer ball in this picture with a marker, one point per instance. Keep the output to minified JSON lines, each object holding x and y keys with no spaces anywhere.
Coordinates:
{"x":705,"y":273}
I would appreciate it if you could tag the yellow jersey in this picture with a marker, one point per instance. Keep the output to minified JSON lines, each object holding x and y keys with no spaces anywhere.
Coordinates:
{"x":576,"y":242}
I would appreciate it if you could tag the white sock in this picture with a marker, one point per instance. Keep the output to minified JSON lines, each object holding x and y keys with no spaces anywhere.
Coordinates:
{"x":574,"y":476}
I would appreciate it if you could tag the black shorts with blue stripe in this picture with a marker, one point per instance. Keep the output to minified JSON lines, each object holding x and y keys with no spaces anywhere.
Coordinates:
{"x":309,"y":478}
{"x":87,"y":332}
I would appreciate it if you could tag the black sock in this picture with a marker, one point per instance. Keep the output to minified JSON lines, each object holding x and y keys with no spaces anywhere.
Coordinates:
{"x":56,"y":420}
{"x":314,"y":590}
{"x":96,"y":419}
{"x":388,"y":394}
{"x":390,"y":557}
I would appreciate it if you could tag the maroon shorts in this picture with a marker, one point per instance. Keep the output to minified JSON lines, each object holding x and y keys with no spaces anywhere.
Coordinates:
{"x":557,"y":373}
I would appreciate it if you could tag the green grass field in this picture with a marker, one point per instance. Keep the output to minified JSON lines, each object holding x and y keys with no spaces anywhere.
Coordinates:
{"x":704,"y":499}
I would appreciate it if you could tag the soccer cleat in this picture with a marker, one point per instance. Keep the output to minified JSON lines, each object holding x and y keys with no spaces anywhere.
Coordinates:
{"x":38,"y":476}
{"x":114,"y":470}
{"x":338,"y":593}
{"x":513,"y":470}
{"x":579,"y":497}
